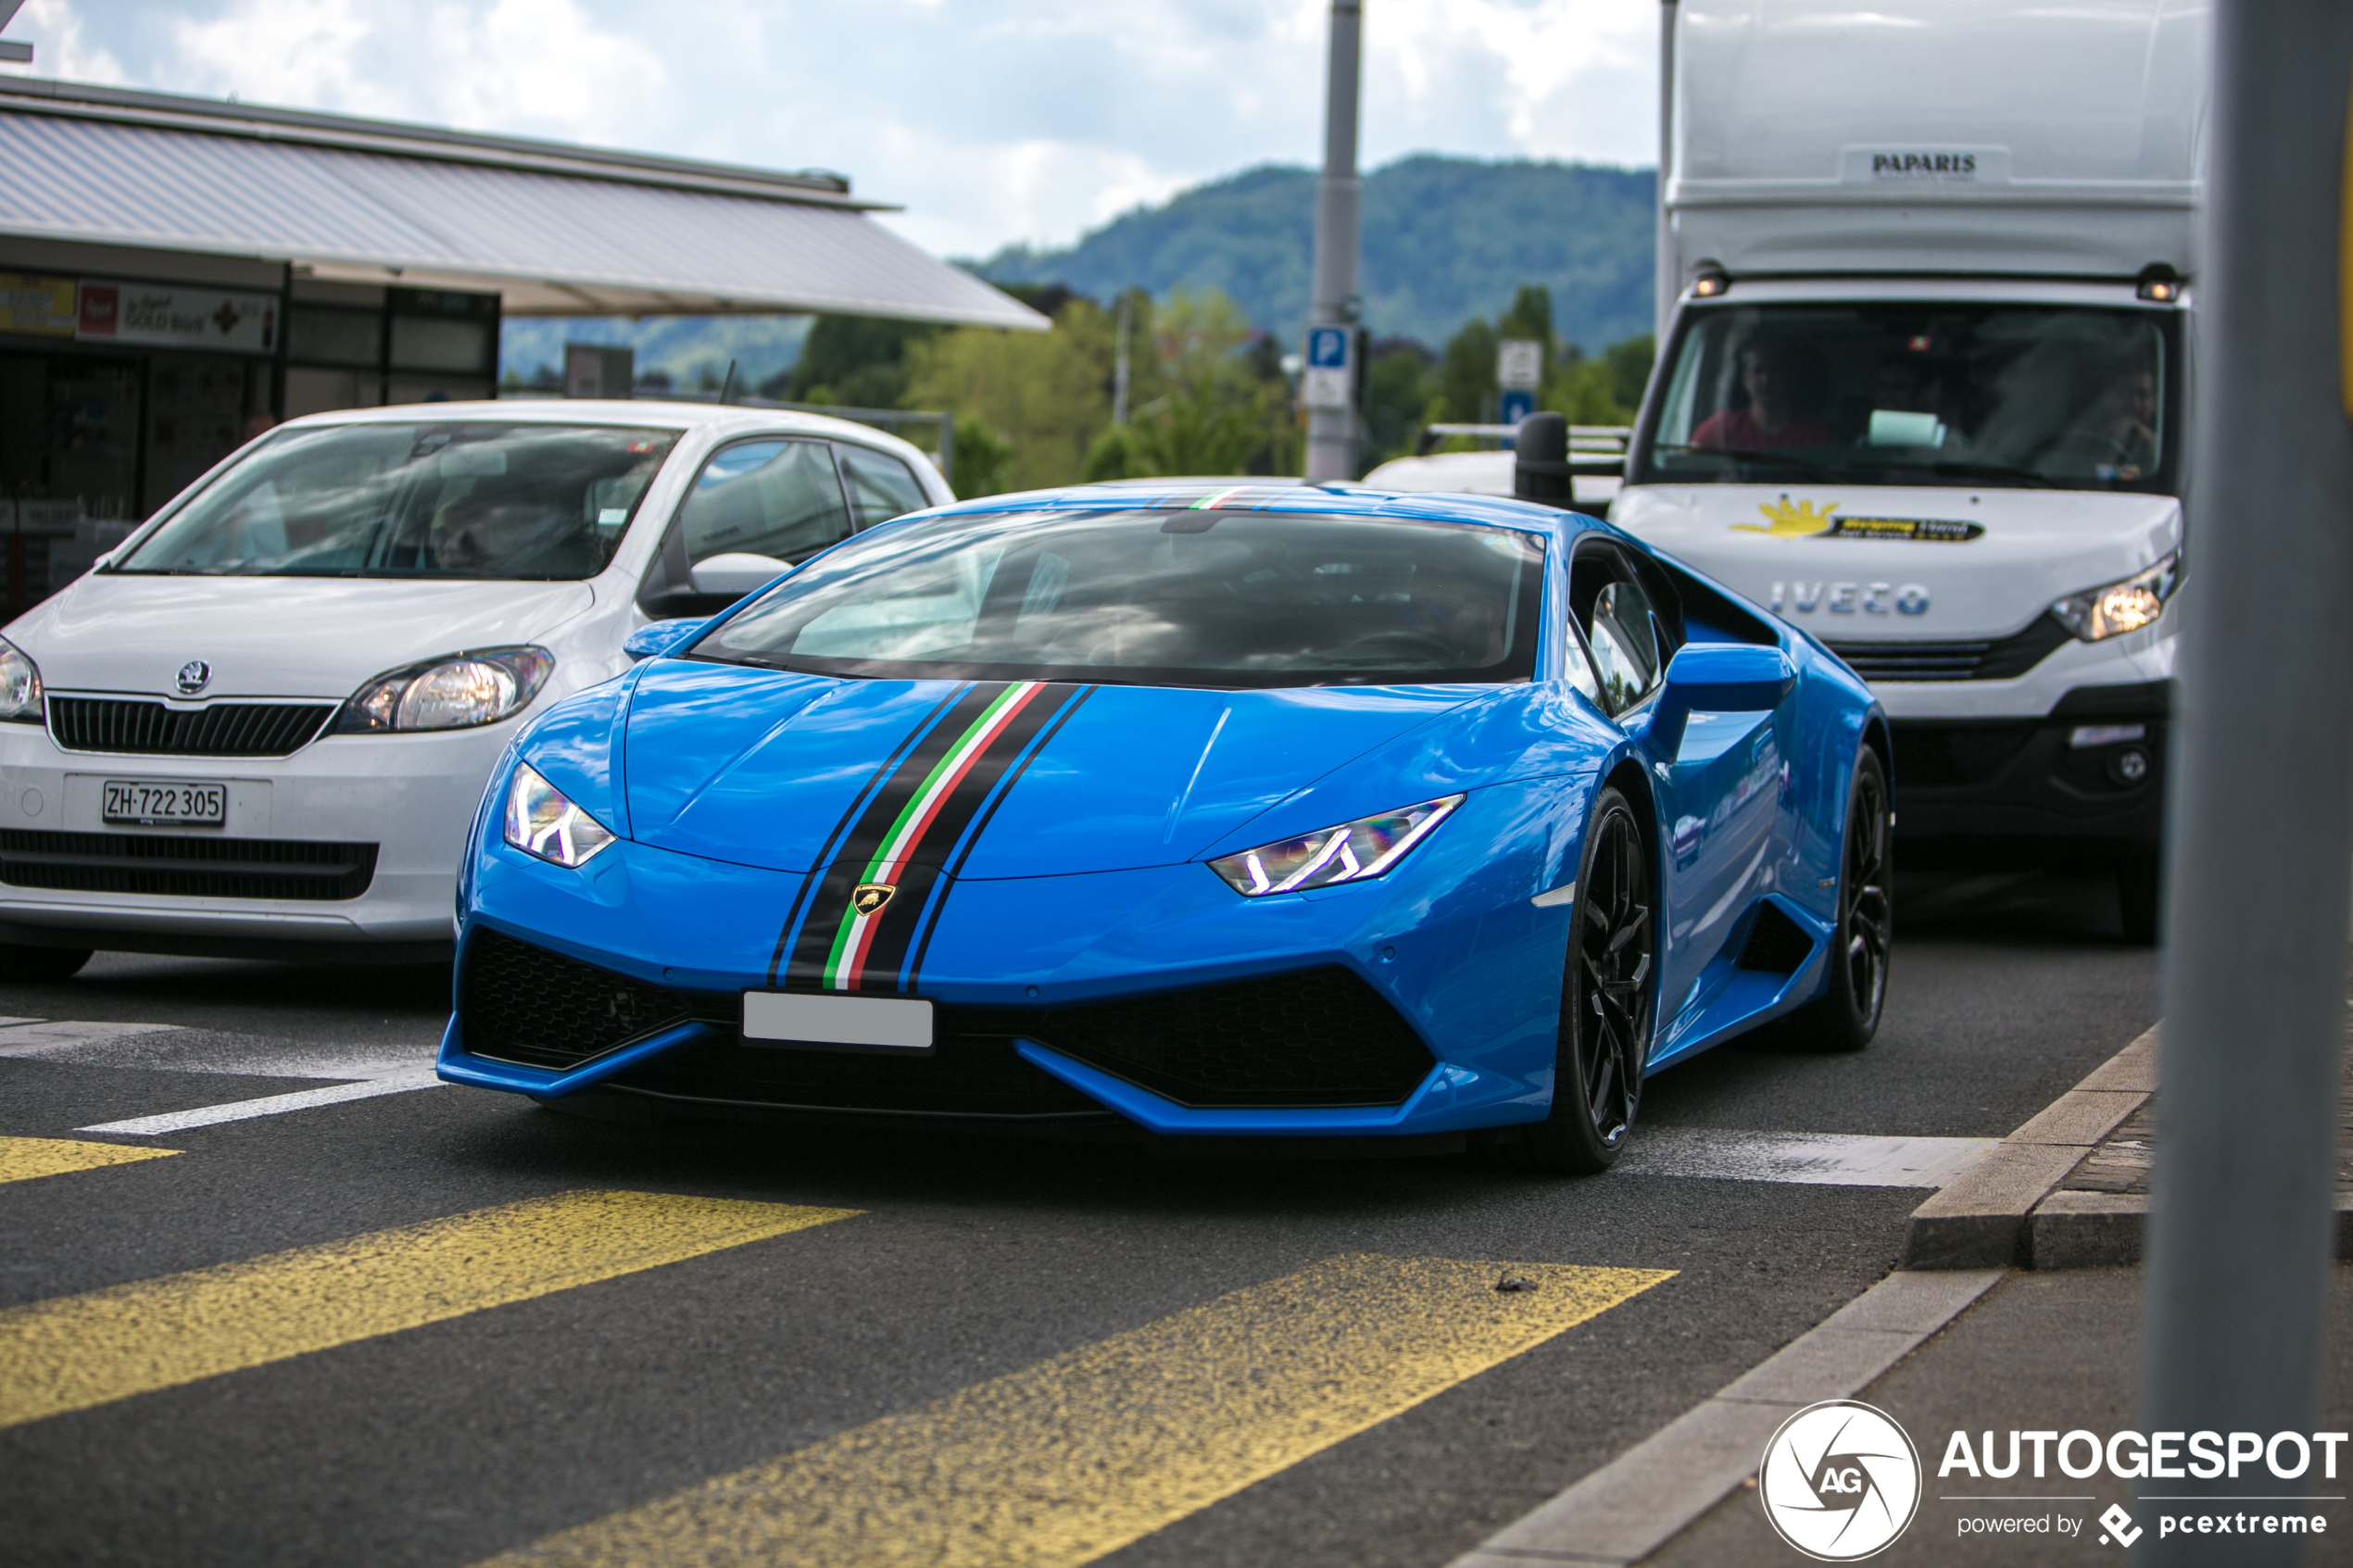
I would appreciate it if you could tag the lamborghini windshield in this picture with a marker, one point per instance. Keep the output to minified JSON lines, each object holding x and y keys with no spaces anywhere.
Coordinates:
{"x":1157,"y":597}
{"x":455,"y":499}
{"x":2070,"y":398}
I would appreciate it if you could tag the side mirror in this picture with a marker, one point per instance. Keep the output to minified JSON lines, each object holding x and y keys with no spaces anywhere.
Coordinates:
{"x":735,"y":573}
{"x":1718,"y":678}
{"x":646,"y":642}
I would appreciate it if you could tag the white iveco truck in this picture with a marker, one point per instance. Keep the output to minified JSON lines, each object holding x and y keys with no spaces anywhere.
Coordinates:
{"x":1929,"y":266}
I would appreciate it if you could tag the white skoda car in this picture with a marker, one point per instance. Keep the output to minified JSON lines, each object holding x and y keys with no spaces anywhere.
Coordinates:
{"x":259,"y":727}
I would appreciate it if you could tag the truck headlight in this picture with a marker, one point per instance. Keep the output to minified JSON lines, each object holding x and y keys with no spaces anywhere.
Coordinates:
{"x":457,"y":693}
{"x":2120,"y":606}
{"x":542,"y":822}
{"x":1353,"y":851}
{"x":19,"y":687}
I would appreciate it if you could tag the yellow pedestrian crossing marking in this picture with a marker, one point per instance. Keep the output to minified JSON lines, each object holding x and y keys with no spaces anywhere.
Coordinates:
{"x":1080,"y":1455}
{"x":78,"y":1351}
{"x":21,"y":1159}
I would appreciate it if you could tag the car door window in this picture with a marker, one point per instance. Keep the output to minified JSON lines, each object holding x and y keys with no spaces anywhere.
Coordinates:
{"x":880,"y":487}
{"x":1623,"y":633}
{"x":765,"y":497}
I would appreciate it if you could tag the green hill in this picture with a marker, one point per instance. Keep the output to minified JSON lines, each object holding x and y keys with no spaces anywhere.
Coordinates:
{"x":1445,"y":238}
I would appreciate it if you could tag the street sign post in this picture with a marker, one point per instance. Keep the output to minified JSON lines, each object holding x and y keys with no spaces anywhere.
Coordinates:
{"x":1329,"y":380}
{"x":1329,"y":390}
{"x":2260,"y":858}
{"x":1520,"y":364}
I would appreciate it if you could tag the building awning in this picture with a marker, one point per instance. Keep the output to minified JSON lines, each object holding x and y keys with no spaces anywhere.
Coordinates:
{"x":554,"y":229}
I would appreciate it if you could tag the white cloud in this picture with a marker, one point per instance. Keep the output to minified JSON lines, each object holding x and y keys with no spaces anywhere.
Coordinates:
{"x":54,"y":28}
{"x":994,"y":121}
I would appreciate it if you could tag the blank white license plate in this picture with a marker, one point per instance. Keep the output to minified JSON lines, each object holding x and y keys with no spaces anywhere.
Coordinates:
{"x":164,"y":803}
{"x":881,"y":1023}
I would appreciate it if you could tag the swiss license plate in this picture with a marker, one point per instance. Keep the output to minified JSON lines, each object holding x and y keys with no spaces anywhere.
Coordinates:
{"x":164,"y":803}
{"x":885,"y":1024}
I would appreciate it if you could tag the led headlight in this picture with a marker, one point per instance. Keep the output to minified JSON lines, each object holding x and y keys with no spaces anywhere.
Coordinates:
{"x":457,"y":693}
{"x":1351,"y":852}
{"x":2120,"y":606}
{"x":19,"y":687}
{"x":541,"y":821}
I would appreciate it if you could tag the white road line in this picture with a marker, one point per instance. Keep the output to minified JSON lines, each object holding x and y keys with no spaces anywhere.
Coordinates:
{"x":267,"y":1105}
{"x":1812,"y":1158}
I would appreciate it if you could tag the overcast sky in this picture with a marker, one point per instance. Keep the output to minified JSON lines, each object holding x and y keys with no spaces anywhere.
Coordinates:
{"x":992,"y":121}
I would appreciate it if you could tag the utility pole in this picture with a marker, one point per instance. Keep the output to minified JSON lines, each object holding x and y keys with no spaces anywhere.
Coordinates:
{"x":2261,"y":853}
{"x":1328,"y":383}
{"x":1119,"y":364}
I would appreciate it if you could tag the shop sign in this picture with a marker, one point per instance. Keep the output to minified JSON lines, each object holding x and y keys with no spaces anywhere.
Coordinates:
{"x":169,"y":316}
{"x":42,"y":305}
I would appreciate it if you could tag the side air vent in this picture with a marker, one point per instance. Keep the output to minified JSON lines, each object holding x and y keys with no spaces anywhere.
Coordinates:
{"x":1776,"y":944}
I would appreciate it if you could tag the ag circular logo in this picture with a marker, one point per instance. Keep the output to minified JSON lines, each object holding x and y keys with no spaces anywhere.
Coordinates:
{"x":194,"y":676}
{"x":1840,"y":1481}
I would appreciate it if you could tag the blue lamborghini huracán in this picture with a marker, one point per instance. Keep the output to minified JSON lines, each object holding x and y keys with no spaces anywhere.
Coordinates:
{"x":1295,"y":811}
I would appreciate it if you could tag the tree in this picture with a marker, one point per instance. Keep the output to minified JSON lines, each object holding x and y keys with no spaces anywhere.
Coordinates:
{"x":857,"y":361}
{"x":1046,"y":395}
{"x":1398,"y":385}
{"x":1466,"y":375}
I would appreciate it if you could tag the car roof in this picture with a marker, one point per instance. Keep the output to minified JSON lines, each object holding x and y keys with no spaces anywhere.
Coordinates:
{"x":1290,"y":496}
{"x":725,"y":418}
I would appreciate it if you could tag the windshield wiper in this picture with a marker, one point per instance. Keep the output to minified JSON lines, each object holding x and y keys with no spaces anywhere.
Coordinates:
{"x":1758,"y":454}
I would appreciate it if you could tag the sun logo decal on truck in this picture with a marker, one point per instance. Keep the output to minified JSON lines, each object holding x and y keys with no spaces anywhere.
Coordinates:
{"x":1791,"y":520}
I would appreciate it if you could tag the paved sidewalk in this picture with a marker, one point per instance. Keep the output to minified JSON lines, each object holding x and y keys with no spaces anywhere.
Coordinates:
{"x":2042,"y":1351}
{"x":2121,"y":1164}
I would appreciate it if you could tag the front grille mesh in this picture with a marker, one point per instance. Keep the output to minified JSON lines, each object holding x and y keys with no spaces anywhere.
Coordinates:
{"x":1997,"y":660}
{"x":187,"y":867}
{"x":1930,"y":756}
{"x":1319,"y":1037}
{"x":521,"y":1003}
{"x":221,"y":729}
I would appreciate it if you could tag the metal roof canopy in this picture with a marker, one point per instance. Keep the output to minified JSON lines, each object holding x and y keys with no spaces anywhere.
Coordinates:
{"x":555,"y":229}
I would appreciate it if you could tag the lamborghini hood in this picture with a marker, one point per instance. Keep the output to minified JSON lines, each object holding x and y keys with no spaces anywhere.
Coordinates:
{"x":987,"y":779}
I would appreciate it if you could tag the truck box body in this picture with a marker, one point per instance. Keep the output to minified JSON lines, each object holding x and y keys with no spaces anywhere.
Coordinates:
{"x":1924,"y":386}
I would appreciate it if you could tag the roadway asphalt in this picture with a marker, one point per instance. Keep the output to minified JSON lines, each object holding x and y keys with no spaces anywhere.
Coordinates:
{"x":839,"y":1347}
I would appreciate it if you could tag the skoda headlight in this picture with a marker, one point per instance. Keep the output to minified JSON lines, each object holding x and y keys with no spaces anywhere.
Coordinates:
{"x":455,"y":693}
{"x":2120,"y":606}
{"x":19,"y":687}
{"x":541,"y":821}
{"x":1351,"y":852}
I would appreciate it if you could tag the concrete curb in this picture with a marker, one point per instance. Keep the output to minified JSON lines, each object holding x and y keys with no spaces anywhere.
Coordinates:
{"x":2095,"y":1230}
{"x":1985,"y":1220}
{"x":1636,"y":1503}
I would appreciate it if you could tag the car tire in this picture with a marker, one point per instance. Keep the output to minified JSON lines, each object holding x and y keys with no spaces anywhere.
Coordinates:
{"x":1846,"y":1016}
{"x":2138,"y":890}
{"x":1608,"y":985}
{"x":37,"y":966}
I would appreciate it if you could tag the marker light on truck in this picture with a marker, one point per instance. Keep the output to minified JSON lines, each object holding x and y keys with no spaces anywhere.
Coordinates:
{"x":2120,"y":606}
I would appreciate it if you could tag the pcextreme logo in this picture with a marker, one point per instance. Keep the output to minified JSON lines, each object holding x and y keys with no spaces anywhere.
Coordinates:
{"x":1840,"y":1481}
{"x":1786,"y":519}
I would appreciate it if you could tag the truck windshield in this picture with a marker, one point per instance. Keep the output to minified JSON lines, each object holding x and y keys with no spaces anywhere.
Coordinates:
{"x":1151,"y":597}
{"x":1906,"y":392}
{"x":455,"y":499}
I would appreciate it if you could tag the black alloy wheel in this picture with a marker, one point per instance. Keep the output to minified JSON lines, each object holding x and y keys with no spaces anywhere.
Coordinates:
{"x":1606,"y":1005}
{"x":1846,"y":1017}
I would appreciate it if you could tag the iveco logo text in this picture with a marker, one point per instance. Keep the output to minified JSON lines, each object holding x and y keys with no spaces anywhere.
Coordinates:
{"x":194,"y":676}
{"x":1848,"y":598}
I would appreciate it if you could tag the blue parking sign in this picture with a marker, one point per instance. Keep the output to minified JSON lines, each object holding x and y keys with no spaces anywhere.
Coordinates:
{"x":1517,"y":405}
{"x":1327,"y":348}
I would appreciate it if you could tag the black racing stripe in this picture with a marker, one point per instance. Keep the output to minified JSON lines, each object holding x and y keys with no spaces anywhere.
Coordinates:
{"x":934,"y":909}
{"x":810,"y":880}
{"x":887,"y":954}
{"x":838,"y":878}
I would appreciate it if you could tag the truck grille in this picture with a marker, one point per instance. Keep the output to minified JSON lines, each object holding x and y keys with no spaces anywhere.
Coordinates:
{"x":188,"y":868}
{"x":223,"y":728}
{"x":1999,"y":660}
